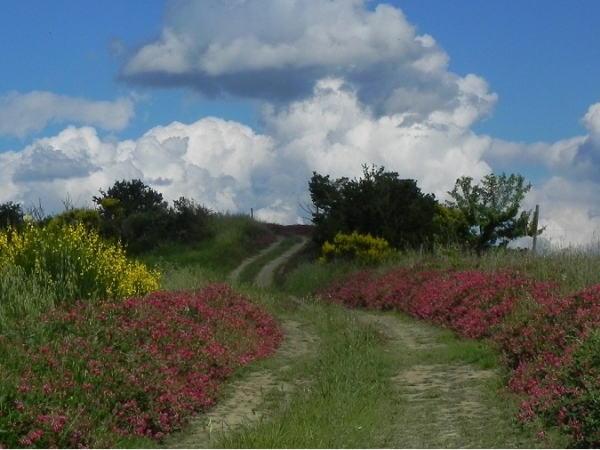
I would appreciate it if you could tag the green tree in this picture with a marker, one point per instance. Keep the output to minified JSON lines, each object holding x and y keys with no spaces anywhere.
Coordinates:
{"x":379,"y":203}
{"x":127,"y":197}
{"x":489,"y":212}
{"x":11,"y":214}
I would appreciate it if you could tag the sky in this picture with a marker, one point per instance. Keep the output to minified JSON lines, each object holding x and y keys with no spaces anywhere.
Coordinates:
{"x":235,"y":103}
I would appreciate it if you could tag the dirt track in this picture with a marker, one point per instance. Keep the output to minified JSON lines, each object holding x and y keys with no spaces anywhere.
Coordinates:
{"x":442,"y":403}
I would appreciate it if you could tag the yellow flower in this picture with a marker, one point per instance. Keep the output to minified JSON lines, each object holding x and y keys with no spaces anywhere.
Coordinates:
{"x":364,"y":248}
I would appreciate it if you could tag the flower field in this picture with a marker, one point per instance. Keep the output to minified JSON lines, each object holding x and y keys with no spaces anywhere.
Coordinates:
{"x":549,"y":342}
{"x":139,"y":367}
{"x":92,"y":354}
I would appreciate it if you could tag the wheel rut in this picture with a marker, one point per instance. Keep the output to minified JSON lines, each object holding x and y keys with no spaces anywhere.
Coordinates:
{"x":242,"y":405}
{"x":442,"y":405}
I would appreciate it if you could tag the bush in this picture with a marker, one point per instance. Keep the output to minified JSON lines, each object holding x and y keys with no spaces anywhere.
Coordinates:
{"x":365,"y":249}
{"x":90,"y":218}
{"x":135,"y":214}
{"x":379,"y":203}
{"x":76,"y":262}
{"x":11,"y":215}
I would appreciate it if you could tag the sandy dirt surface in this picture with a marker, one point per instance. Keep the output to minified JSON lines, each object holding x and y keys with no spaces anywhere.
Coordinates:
{"x":265,"y":276}
{"x":444,"y":404}
{"x":441,"y":402}
{"x":241,"y":406}
{"x":233,"y":276}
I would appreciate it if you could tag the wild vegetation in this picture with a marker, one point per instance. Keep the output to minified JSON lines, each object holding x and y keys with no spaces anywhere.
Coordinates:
{"x":381,"y":204}
{"x":117,"y":326}
{"x":95,"y":355}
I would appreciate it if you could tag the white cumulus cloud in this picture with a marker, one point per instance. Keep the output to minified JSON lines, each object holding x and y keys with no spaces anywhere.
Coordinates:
{"x":277,"y":50}
{"x":21,"y":114}
{"x":340,"y":85}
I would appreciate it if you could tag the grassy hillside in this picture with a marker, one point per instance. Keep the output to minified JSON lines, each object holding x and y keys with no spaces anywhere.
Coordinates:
{"x":342,"y":377}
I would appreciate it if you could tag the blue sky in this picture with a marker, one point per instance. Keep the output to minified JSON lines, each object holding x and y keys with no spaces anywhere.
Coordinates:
{"x":90,"y":91}
{"x":542,"y":59}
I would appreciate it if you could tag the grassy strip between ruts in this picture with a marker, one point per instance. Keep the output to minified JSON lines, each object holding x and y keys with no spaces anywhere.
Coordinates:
{"x":356,"y":389}
{"x":249,"y":273}
{"x":341,"y":394}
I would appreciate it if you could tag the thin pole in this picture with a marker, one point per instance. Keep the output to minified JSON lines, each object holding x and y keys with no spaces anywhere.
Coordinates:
{"x":535,"y":227}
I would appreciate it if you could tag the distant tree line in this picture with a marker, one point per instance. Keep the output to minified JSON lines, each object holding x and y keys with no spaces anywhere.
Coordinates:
{"x":477,"y":218}
{"x":380,"y":203}
{"x":129,"y":211}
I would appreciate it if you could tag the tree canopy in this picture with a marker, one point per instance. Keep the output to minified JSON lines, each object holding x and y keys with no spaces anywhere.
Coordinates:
{"x":379,"y":203}
{"x":11,"y":215}
{"x":127,"y":197}
{"x":137,"y":215}
{"x":488,"y":214}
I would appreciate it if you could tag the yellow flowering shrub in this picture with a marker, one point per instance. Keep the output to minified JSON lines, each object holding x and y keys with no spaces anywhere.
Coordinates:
{"x":73,"y":256}
{"x":364,"y":248}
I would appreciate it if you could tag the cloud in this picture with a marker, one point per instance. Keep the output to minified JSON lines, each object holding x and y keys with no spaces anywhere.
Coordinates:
{"x":278,"y":53}
{"x":47,"y":164}
{"x":567,"y":185}
{"x":340,"y":85}
{"x":333,"y":133}
{"x":22,"y":114}
{"x":211,"y":160}
{"x":229,"y":167}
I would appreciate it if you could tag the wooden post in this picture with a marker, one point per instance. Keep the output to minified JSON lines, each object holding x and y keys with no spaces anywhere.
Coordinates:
{"x":536,"y":217}
{"x":252,"y":213}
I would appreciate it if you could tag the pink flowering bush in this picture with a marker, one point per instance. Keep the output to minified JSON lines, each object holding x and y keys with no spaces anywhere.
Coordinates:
{"x":549,"y":343}
{"x":140,"y":367}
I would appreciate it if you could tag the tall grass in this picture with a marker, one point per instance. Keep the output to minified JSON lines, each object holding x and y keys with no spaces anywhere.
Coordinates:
{"x":43,"y":266}
{"x":236,"y":237}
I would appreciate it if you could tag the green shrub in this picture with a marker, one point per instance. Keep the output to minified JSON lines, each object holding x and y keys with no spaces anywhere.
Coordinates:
{"x":73,"y":256}
{"x":88,"y":217}
{"x":365,"y":249}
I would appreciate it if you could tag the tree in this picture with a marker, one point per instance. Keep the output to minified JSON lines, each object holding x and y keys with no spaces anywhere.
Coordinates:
{"x":490,"y":211}
{"x":379,"y":203}
{"x":11,"y":215}
{"x":127,"y":197}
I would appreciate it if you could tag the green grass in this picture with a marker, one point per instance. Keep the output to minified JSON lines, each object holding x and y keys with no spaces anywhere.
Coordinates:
{"x":236,"y":238}
{"x":345,"y":396}
{"x":573,"y":268}
{"x":252,"y":270}
{"x":347,"y":389}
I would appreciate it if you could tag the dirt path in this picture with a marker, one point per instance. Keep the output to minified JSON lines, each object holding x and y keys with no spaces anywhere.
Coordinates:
{"x":442,"y":404}
{"x":241,"y":407}
{"x":265,"y":276}
{"x":233,"y":276}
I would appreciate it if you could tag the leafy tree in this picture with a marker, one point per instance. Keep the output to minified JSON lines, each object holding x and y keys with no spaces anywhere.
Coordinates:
{"x":452,"y":228}
{"x":191,"y":220}
{"x":127,"y":197}
{"x":379,"y":203}
{"x":137,"y":215}
{"x":489,"y":213}
{"x":11,"y":214}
